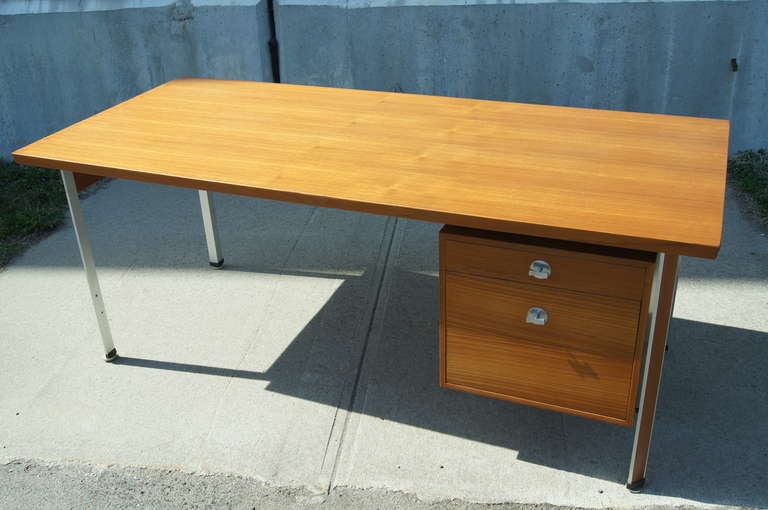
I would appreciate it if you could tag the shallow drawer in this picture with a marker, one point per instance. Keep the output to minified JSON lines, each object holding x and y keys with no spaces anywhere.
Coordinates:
{"x":586,"y":268}
{"x":583,"y":360}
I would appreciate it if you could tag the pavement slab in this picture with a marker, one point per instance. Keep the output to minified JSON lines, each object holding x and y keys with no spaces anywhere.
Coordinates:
{"x":239,"y":370}
{"x":309,"y":364}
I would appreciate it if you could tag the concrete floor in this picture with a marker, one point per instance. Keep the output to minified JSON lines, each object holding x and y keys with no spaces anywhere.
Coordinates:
{"x":310,"y":364}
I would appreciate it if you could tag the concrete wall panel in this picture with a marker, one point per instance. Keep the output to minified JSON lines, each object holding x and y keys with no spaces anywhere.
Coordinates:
{"x":663,"y":57}
{"x":58,"y":68}
{"x":68,"y":59}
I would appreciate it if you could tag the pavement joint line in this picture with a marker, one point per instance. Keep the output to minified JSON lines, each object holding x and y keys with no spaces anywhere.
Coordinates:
{"x":379,"y":267}
{"x":335,"y":431}
{"x":312,"y":215}
{"x":349,"y":397}
{"x":373,"y":331}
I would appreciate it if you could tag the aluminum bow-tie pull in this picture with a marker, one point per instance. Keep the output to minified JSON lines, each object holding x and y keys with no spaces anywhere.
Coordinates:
{"x":540,"y":269}
{"x":537,"y":316}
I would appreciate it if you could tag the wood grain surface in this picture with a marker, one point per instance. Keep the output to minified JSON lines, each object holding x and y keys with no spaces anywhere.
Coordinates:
{"x":596,"y":274}
{"x":581,"y":361}
{"x":650,"y":182}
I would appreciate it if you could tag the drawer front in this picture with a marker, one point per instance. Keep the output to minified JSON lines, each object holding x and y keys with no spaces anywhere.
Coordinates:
{"x":582,"y":360}
{"x":576,"y":271}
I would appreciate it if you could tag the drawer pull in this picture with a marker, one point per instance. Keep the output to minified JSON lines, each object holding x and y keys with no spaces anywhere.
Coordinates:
{"x":537,"y":316}
{"x":540,"y":269}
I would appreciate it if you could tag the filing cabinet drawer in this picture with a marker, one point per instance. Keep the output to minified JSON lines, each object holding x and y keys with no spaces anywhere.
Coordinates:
{"x":605,"y":271}
{"x":571,"y":350}
{"x":581,"y":359}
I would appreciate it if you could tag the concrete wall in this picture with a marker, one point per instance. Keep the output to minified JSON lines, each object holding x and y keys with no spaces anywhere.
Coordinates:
{"x":62,"y":60}
{"x":652,"y":56}
{"x":71,"y":59}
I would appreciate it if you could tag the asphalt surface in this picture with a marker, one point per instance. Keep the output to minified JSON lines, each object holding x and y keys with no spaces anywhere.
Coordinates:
{"x":30,"y":485}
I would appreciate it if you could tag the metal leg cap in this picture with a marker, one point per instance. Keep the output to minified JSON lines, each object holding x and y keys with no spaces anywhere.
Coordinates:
{"x":217,"y":265}
{"x":110,"y":356}
{"x":636,"y":486}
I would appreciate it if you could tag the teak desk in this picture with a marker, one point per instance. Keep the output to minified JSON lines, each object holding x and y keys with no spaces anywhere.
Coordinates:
{"x":558,"y":269}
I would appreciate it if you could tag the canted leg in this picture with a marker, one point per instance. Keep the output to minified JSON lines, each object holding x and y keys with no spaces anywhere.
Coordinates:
{"x":90,"y":269}
{"x":211,"y":232}
{"x":662,"y":302}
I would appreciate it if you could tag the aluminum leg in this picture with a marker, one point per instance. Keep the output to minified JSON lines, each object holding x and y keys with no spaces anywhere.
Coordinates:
{"x":211,"y":232}
{"x":86,"y":255}
{"x":660,"y":310}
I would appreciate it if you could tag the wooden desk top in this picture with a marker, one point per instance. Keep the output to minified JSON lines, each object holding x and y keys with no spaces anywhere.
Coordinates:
{"x":650,"y":182}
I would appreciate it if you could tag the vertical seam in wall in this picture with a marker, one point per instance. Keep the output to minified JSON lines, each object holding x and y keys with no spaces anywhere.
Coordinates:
{"x":350,"y":45}
{"x":272,"y":44}
{"x":668,"y":65}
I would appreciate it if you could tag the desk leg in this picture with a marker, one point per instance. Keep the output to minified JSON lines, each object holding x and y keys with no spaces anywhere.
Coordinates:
{"x":211,"y":231}
{"x":86,"y":255}
{"x":662,"y":302}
